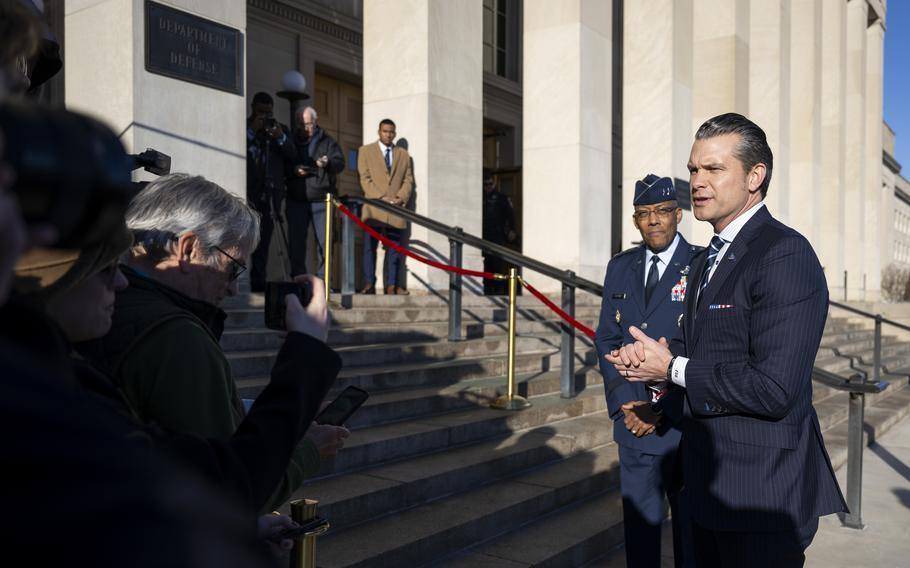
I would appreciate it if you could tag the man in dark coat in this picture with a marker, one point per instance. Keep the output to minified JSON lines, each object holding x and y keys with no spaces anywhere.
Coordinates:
{"x":498,"y":228}
{"x":269,"y":149}
{"x":312,"y":175}
{"x":757,"y":475}
{"x":646,"y":286}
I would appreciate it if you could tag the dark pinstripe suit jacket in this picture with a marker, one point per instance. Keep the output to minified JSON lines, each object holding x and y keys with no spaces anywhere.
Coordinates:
{"x":753,"y":454}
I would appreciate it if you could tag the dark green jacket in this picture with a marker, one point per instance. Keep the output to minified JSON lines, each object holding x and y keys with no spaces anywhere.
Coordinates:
{"x":163,"y":352}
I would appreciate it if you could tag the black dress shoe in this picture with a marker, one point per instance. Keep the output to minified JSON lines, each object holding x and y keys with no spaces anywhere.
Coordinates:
{"x":371,"y":289}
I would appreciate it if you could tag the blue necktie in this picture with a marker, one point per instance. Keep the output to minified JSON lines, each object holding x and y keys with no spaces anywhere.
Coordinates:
{"x":717,"y":243}
{"x":388,"y":159}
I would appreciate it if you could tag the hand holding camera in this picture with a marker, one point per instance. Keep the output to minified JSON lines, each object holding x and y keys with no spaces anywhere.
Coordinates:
{"x":298,"y":306}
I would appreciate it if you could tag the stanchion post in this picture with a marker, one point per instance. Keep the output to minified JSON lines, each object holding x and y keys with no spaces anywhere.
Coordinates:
{"x":567,"y":351}
{"x":327,"y":265}
{"x":347,"y":262}
{"x":303,"y":555}
{"x":854,"y":519}
{"x":455,"y":290}
{"x":511,"y":401}
{"x":845,"y":285}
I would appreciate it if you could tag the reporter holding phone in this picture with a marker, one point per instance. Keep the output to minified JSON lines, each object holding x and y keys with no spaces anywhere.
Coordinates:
{"x":192,"y":239}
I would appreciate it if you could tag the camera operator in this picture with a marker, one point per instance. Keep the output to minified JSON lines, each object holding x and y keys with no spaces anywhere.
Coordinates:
{"x":269,"y":151}
{"x":312,"y":176}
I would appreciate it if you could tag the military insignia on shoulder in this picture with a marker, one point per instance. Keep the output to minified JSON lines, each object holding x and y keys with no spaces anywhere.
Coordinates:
{"x":618,"y":316}
{"x":627,"y":251}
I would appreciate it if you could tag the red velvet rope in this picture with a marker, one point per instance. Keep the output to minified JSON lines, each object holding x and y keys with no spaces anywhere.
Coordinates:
{"x":488,"y":275}
{"x":392,"y":244}
{"x":569,"y":319}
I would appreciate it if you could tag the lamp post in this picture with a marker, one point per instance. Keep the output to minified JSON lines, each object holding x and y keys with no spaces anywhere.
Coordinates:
{"x":293,"y":86}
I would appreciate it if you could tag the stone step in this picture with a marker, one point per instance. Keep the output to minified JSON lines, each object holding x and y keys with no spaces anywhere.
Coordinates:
{"x":432,"y":530}
{"x":248,"y":363}
{"x":260,"y":338}
{"x":832,"y":363}
{"x":351,"y":499}
{"x":398,"y":440}
{"x":572,"y":536}
{"x":252,"y":318}
{"x":861,"y":349}
{"x":422,"y":374}
{"x":391,"y":406}
{"x":865,"y":343}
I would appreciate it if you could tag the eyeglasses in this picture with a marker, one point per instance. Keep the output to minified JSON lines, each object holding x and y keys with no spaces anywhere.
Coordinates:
{"x":237,"y":267}
{"x":662,"y":212}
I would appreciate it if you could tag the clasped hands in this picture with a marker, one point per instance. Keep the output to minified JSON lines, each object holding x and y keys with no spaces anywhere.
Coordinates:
{"x":645,"y":360}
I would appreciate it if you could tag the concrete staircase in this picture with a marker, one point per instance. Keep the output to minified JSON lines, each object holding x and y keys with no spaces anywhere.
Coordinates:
{"x":431,"y":475}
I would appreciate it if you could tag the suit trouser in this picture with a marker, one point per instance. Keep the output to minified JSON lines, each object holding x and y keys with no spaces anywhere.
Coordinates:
{"x":780,"y":549}
{"x":644,"y":480}
{"x":393,"y":258}
{"x":302,"y":214}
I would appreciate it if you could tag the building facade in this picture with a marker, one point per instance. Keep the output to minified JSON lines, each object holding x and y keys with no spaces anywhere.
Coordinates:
{"x":568,"y":101}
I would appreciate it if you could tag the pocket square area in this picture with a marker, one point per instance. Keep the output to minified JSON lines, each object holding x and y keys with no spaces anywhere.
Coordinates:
{"x":721,"y":306}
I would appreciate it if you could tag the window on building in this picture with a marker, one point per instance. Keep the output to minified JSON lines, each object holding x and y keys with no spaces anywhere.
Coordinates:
{"x":501,"y":37}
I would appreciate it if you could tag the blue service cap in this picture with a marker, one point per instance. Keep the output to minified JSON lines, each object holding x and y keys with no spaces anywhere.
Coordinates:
{"x":653,"y":189}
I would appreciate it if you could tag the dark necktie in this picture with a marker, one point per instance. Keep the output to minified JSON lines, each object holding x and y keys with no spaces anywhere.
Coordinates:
{"x":388,"y":159}
{"x":717,"y":243}
{"x":651,"y":284}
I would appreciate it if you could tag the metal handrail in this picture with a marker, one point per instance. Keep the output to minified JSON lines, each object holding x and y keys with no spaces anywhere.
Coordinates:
{"x":457,"y":234}
{"x":869,"y":315}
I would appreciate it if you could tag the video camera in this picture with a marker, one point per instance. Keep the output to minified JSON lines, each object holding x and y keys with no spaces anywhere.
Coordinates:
{"x":71,"y":171}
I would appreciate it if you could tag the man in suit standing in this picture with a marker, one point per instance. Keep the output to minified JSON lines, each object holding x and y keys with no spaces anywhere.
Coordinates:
{"x":646,"y":286}
{"x":757,"y":475}
{"x":385,"y":173}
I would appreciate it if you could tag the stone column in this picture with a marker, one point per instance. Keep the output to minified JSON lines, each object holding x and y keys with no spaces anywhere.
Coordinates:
{"x":202,"y":129}
{"x":855,"y":147}
{"x":657,"y":99}
{"x":720,"y":74}
{"x":875,"y":238}
{"x":567,"y":125}
{"x":769,"y":88}
{"x":422,"y":68}
{"x":833,"y":143}
{"x":802,"y":190}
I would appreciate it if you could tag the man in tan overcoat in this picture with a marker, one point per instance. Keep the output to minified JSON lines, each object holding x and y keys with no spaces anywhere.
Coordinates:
{"x":385,"y":173}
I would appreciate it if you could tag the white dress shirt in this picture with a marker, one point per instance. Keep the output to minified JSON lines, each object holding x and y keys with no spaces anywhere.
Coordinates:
{"x":678,"y":374}
{"x":664,"y":258}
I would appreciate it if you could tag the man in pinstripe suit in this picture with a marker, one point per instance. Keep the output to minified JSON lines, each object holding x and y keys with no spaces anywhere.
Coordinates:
{"x":756,"y":473}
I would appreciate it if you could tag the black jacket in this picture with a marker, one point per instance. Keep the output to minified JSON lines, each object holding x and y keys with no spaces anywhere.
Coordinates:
{"x":266,"y":161}
{"x":314,"y":187}
{"x":69,"y":458}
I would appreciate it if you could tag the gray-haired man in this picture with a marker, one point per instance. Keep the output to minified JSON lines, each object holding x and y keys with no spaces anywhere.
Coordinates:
{"x":192,"y":242}
{"x":319,"y":161}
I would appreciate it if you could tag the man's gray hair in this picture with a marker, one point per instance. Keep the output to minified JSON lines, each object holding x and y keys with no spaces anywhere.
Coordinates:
{"x":312,"y":111}
{"x":176,"y":204}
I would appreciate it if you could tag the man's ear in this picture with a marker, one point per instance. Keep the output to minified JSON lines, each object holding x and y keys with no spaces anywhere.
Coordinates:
{"x":186,"y":244}
{"x":756,"y":177}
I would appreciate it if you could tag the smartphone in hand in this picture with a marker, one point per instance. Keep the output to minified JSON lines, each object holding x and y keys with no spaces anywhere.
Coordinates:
{"x":276,"y":303}
{"x":340,"y":409}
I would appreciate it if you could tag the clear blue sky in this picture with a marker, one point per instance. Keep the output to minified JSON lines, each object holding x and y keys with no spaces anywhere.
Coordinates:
{"x":897,"y":79}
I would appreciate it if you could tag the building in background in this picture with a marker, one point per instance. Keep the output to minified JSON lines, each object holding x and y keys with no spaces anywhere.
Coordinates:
{"x":568,"y":101}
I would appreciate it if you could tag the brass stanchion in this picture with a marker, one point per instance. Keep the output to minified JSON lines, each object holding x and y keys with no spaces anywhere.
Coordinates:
{"x":329,"y":211}
{"x":303,"y":555}
{"x":511,"y":401}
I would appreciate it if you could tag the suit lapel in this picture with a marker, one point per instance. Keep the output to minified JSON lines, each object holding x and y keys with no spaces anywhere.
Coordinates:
{"x":698,"y":265}
{"x":380,"y":162}
{"x":732,"y":257}
{"x":638,"y":280}
{"x":670,"y":277}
